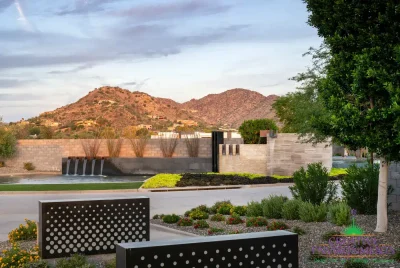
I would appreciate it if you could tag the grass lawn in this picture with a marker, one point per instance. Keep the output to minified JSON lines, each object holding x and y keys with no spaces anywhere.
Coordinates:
{"x":69,"y":187}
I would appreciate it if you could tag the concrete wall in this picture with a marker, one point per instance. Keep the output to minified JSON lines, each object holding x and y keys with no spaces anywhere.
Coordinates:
{"x":281,"y":156}
{"x":251,"y":158}
{"x":394,"y":180}
{"x":46,"y":154}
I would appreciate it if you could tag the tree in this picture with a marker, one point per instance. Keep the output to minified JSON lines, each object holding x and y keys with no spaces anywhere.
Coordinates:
{"x":362,"y":85}
{"x":8,"y":143}
{"x":250,"y":130}
{"x":303,"y":111}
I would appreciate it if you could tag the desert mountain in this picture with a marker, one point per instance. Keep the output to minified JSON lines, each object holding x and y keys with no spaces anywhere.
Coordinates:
{"x":120,"y":107}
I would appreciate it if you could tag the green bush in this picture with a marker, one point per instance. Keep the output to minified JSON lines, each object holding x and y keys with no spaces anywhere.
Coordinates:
{"x":217,"y":217}
{"x":74,"y":262}
{"x":355,"y":264}
{"x":316,"y":257}
{"x":339,"y":214}
{"x":235,"y":232}
{"x":171,"y":218}
{"x":185,"y":222}
{"x":328,"y":235}
{"x":240,"y":210}
{"x":360,"y":188}
{"x":396,"y":256}
{"x":277,"y":225}
{"x":213,"y":230}
{"x":112,"y":263}
{"x":17,"y":257}
{"x":198,"y":215}
{"x":254,"y":209}
{"x":162,"y":181}
{"x":256,"y":222}
{"x":272,"y":206}
{"x":290,"y":210}
{"x":27,"y":231}
{"x":313,"y":185}
{"x":35,"y":264}
{"x":298,"y":230}
{"x":234,"y":219}
{"x":201,"y":224}
{"x":8,"y":143}
{"x":158,"y":216}
{"x":202,"y":208}
{"x":250,"y":130}
{"x":312,"y":213}
{"x":214,"y":209}
{"x":29,"y":166}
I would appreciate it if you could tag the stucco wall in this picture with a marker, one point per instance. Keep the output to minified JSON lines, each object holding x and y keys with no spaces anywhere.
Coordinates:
{"x":281,"y":156}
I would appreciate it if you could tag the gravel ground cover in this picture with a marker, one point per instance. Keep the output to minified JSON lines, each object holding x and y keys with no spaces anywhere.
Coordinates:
{"x":312,"y":237}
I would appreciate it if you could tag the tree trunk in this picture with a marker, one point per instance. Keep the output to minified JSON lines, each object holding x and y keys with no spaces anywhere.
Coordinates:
{"x":382,"y":220}
{"x":372,"y":158}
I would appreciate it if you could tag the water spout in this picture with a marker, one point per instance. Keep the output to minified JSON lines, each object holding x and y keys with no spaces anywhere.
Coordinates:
{"x":84,"y":166}
{"x":68,"y":163}
{"x":93,"y":163}
{"x":101,"y":167}
{"x":76,"y":166}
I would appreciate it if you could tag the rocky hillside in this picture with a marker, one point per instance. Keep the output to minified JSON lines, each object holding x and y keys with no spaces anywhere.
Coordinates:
{"x":119,"y":108}
{"x":232,"y":107}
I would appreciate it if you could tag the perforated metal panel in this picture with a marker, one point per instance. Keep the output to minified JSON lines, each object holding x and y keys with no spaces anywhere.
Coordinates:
{"x":278,"y":249}
{"x":91,"y":226}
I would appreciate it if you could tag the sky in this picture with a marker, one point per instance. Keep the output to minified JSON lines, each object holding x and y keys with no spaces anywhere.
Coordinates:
{"x":52,"y":53}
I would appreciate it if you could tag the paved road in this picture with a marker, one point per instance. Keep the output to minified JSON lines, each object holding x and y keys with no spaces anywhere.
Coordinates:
{"x":15,"y":208}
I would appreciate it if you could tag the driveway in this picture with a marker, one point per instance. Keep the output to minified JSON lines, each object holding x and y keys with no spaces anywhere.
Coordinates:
{"x":16,"y":207}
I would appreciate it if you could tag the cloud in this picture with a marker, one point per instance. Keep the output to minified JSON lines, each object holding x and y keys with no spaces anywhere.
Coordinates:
{"x":73,"y":70}
{"x":11,"y":83}
{"x":172,"y":10}
{"x":4,"y":4}
{"x":84,"y":7}
{"x":19,"y":97}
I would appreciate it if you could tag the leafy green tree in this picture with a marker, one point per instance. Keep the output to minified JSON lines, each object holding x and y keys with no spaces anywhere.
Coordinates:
{"x":250,"y":130}
{"x":34,"y":131}
{"x":362,"y":84}
{"x":143,"y":132}
{"x":8,"y":143}
{"x":46,"y":132}
{"x":302,"y":111}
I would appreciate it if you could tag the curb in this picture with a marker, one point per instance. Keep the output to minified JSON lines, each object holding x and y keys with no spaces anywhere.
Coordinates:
{"x":69,"y":192}
{"x":170,"y":230}
{"x":31,"y":173}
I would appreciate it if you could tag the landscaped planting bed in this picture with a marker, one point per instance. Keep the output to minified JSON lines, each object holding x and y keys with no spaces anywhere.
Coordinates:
{"x":218,"y":179}
{"x":314,"y":232}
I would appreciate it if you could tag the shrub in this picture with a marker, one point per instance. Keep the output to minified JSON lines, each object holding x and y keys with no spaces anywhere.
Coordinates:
{"x":114,"y":147}
{"x":24,"y":232}
{"x":328,"y":235}
{"x":214,"y":208}
{"x":254,"y":209}
{"x":277,"y":225}
{"x":29,"y":166}
{"x":198,"y":215}
{"x":256,"y":222}
{"x":217,"y":217}
{"x":185,"y":222}
{"x":235,"y":232}
{"x":36,"y":264}
{"x":298,"y":230}
{"x":201,"y":224}
{"x":240,"y":210}
{"x":112,"y":263}
{"x":312,"y":213}
{"x":213,"y":230}
{"x":316,"y":256}
{"x":355,"y":264}
{"x":91,"y":147}
{"x":225,"y":209}
{"x":8,"y":143}
{"x":168,"y":146}
{"x":313,"y":185}
{"x":290,"y":210}
{"x":193,"y":145}
{"x":396,"y":256}
{"x":139,"y":145}
{"x":17,"y":257}
{"x":339,"y":214}
{"x":202,"y":208}
{"x":171,"y":218}
{"x":162,"y":181}
{"x":360,"y":188}
{"x":250,"y":130}
{"x":73,"y":262}
{"x":234,"y":219}
{"x":272,"y":206}
{"x":158,"y":216}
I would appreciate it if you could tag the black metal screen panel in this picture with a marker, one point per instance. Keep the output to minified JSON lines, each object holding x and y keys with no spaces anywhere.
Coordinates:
{"x":217,"y":139}
{"x":91,"y":226}
{"x":262,"y":249}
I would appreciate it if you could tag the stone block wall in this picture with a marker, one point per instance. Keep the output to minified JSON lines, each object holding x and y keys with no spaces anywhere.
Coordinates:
{"x":280,"y":156}
{"x":394,"y":180}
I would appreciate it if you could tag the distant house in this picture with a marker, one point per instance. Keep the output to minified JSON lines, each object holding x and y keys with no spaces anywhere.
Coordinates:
{"x":148,"y":127}
{"x":188,"y":122}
